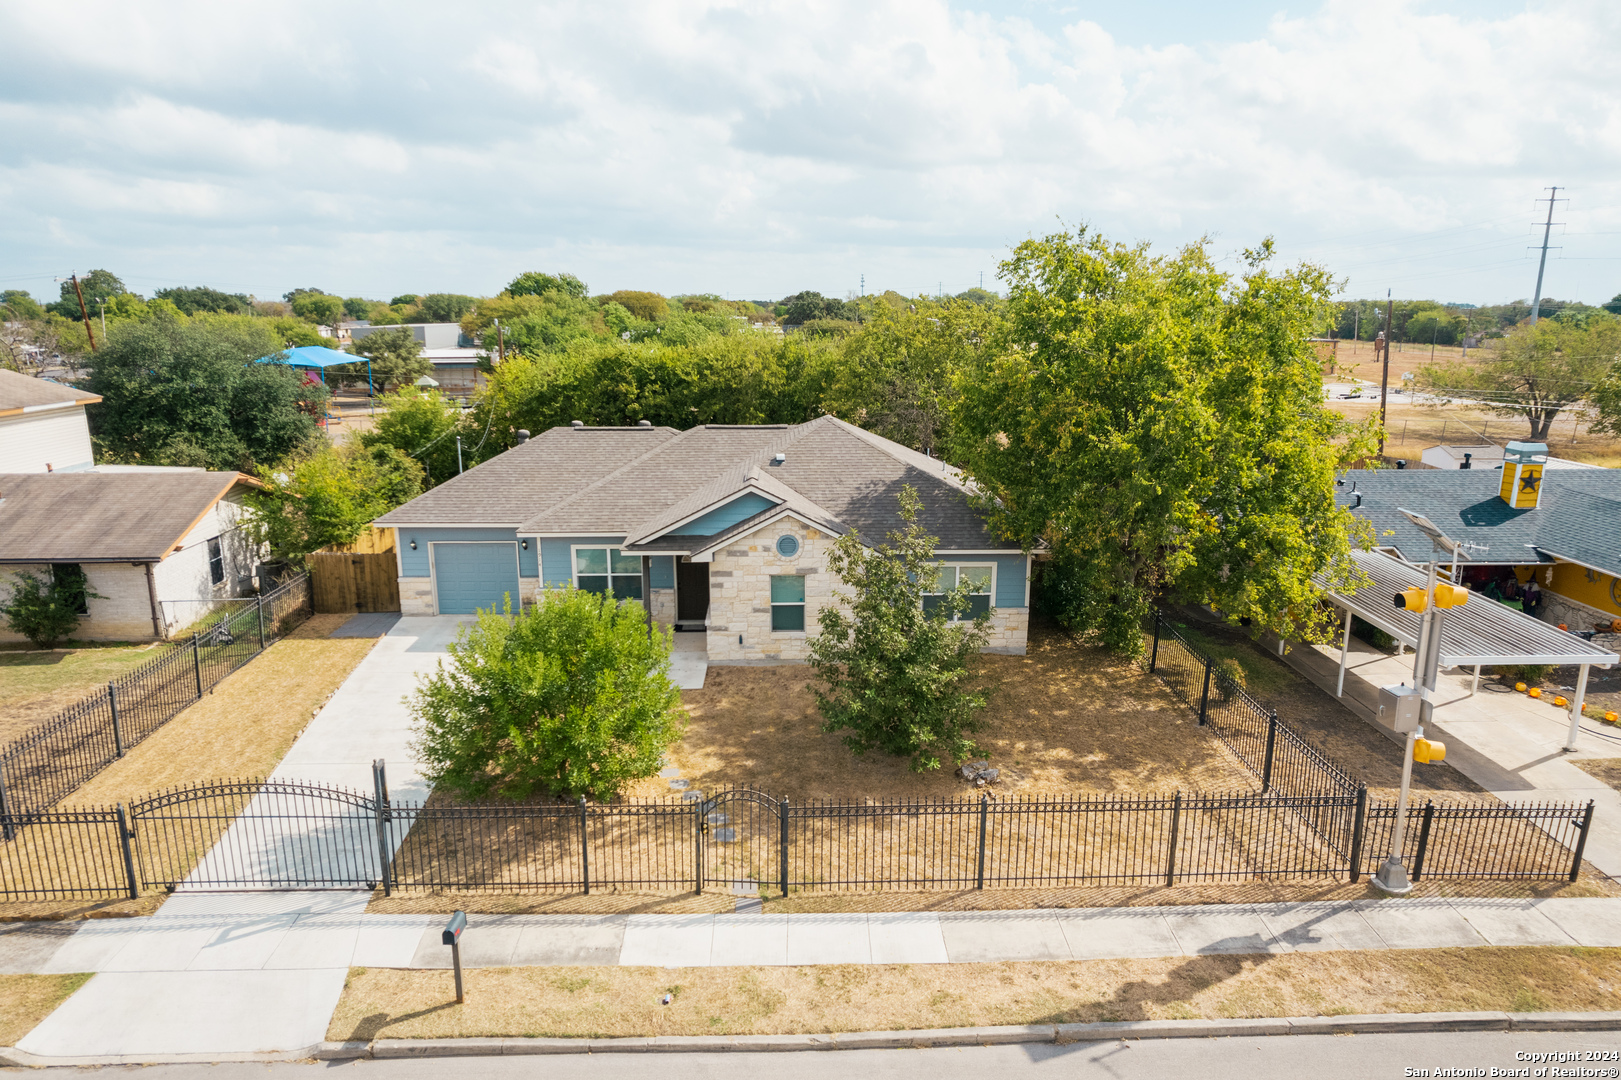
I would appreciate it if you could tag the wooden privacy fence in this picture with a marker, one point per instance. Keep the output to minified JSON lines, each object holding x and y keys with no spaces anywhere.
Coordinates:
{"x":344,"y":582}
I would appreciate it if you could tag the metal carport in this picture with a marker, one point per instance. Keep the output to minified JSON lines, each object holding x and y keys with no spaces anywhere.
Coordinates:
{"x":1479,"y":633}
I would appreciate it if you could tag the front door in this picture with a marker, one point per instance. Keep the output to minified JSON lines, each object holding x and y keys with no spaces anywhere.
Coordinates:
{"x":691,"y":592}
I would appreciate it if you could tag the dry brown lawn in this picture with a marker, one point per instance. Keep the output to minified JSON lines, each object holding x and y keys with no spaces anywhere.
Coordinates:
{"x":1605,"y":769}
{"x":25,"y":1000}
{"x":622,"y":1001}
{"x":36,"y":685}
{"x":1065,"y":719}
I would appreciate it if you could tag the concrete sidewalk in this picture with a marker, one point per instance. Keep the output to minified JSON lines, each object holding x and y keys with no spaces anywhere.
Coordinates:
{"x":1508,"y":743}
{"x":217,"y":973}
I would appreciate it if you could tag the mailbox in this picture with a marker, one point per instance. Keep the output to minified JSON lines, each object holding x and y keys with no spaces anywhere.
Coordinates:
{"x":1400,"y":708}
{"x":453,"y":931}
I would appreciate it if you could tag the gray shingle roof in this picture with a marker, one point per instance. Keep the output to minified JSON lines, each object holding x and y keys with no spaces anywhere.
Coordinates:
{"x":547,"y":469}
{"x":1579,"y":519}
{"x":104,"y":517}
{"x":19,"y":392}
{"x":638,"y":482}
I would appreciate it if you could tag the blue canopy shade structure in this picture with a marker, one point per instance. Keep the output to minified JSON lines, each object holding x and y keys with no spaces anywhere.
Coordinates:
{"x":320,"y":358}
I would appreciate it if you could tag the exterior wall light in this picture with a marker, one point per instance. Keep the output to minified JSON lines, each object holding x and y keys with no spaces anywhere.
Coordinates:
{"x":524,"y":544}
{"x":413,"y":543}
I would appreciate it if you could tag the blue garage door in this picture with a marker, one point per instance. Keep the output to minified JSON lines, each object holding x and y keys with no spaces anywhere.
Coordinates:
{"x":472,"y":576}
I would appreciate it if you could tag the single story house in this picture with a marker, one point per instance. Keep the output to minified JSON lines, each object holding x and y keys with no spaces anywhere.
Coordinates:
{"x":161,"y":547}
{"x":1483,"y":456}
{"x":721,"y":529}
{"x":43,"y":427}
{"x":1525,"y":517}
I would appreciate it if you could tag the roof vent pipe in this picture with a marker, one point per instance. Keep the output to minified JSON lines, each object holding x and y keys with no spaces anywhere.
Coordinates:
{"x":1466,"y":458}
{"x":779,"y":459}
{"x":1358,"y":501}
{"x":1401,"y":463}
{"x":523,"y":436}
{"x":576,"y":423}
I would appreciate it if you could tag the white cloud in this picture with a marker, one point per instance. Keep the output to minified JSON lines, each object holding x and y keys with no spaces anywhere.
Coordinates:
{"x":760,"y":148}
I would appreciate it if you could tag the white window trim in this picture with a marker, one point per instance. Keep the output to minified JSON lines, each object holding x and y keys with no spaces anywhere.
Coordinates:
{"x":574,"y":568}
{"x":943,"y":563}
{"x":803,"y":605}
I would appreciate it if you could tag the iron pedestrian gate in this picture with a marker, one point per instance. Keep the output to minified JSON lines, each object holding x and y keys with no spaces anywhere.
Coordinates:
{"x":273,"y":834}
{"x":742,"y":840}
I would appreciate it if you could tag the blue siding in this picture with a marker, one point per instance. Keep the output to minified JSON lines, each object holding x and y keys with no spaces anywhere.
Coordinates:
{"x":557,"y":568}
{"x":415,"y":563}
{"x":662,"y":571}
{"x":1010,"y":575}
{"x":724,"y":517}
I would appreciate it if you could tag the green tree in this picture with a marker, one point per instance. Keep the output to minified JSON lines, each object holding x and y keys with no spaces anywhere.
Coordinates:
{"x":178,"y":391}
{"x":47,"y":612}
{"x":1161,"y":426}
{"x":895,"y":676}
{"x":534,"y":283}
{"x":571,"y":697}
{"x":358,"y":307}
{"x":422,"y":425}
{"x":201,"y":298}
{"x":395,"y":355}
{"x":445,"y":307}
{"x":405,"y":300}
{"x":1614,"y":306}
{"x":99,"y":286}
{"x":319,"y":309}
{"x":326,"y":496}
{"x":17,"y":306}
{"x":1538,"y":371}
{"x":648,"y":306}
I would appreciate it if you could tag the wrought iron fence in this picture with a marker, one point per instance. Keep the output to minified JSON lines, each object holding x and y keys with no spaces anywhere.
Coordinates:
{"x":283,"y":834}
{"x":39,"y":770}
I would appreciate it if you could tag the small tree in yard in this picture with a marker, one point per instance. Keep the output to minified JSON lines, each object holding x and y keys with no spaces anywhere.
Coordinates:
{"x":894,"y":677}
{"x":569,"y":698}
{"x":46,"y":612}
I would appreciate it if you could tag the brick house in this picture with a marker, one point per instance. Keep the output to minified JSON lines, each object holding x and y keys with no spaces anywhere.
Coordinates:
{"x":721,"y":530}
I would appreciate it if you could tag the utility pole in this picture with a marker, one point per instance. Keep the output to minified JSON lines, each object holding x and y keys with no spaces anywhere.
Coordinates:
{"x":84,"y":312}
{"x":1542,"y":264}
{"x":863,"y":284}
{"x":1384,"y":379}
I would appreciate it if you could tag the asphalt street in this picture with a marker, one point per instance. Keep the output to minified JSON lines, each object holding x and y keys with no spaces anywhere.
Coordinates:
{"x":1311,"y":1057}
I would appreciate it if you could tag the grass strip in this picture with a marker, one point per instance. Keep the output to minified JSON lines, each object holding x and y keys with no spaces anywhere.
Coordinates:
{"x":25,"y":1000}
{"x":602,"y":1002}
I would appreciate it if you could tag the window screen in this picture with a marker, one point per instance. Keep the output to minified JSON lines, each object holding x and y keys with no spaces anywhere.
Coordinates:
{"x":976,"y":579}
{"x":787,"y":603}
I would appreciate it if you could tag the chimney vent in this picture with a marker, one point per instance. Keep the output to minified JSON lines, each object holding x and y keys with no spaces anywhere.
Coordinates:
{"x":576,"y":423}
{"x":1401,"y":463}
{"x":523,"y":436}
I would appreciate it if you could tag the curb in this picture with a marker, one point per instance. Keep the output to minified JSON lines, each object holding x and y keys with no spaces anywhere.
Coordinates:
{"x":1055,"y":1034}
{"x":1059,"y":1034}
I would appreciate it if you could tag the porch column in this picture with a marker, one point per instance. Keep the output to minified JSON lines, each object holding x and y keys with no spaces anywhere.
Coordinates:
{"x":1345,"y":652}
{"x":1476,"y":684}
{"x":1576,"y":708}
{"x":647,"y":591}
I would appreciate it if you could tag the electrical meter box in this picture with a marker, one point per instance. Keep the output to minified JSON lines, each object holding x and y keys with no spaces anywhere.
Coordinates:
{"x":1400,"y":708}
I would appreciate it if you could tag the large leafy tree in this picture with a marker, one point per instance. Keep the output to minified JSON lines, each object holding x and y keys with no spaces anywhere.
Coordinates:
{"x":570,"y":697}
{"x":445,"y":307}
{"x":535,"y":283}
{"x":318,"y":308}
{"x":99,"y":286}
{"x":897,"y":675}
{"x":326,"y":495}
{"x":1537,"y":372}
{"x":1160,"y":425}
{"x":422,"y":425}
{"x":202,"y":298}
{"x":395,"y":355}
{"x":179,"y":391}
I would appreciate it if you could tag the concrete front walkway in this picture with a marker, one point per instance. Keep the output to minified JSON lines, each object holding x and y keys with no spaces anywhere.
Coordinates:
{"x":219,"y":973}
{"x":1508,"y":743}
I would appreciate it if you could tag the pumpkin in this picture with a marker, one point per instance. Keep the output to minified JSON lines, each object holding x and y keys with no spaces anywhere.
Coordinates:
{"x":1535,"y":691}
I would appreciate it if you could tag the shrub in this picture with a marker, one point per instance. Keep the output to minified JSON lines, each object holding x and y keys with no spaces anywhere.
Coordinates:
{"x":1372,"y":635}
{"x":1530,"y":674}
{"x":572,"y":697}
{"x":46,"y":612}
{"x":896,"y":678}
{"x":1230,"y":677}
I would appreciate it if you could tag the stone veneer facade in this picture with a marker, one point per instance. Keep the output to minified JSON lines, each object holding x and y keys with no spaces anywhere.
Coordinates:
{"x":1557,"y":609}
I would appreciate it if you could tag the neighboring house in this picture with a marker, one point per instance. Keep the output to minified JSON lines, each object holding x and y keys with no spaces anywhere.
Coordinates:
{"x":43,"y":427}
{"x":724,"y":530}
{"x":1483,"y":456}
{"x":453,"y":355}
{"x":1563,"y":525}
{"x":447,"y":335}
{"x":159,"y":546}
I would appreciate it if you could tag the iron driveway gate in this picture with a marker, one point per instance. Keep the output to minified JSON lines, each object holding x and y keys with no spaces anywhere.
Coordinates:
{"x":741,"y":835}
{"x":270,"y":834}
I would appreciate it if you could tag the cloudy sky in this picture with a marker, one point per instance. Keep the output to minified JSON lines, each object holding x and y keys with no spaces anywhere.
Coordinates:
{"x":755,"y":149}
